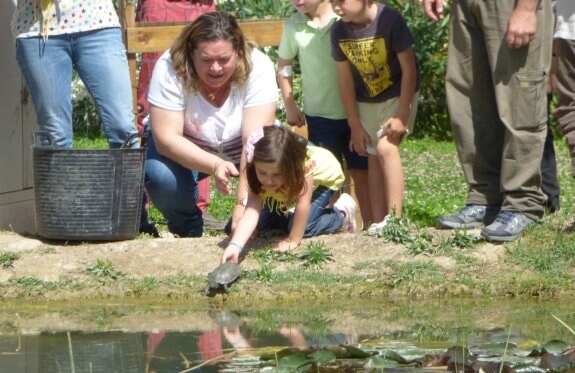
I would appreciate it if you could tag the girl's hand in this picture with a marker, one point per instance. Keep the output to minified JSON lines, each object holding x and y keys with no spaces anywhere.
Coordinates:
{"x":231,"y":254}
{"x":359,"y":141}
{"x":294,"y":116}
{"x":222,"y":171}
{"x":395,"y":129}
{"x":286,"y":245}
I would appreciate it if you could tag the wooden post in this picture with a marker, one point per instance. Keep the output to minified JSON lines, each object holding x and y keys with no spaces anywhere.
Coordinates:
{"x":127,"y":15}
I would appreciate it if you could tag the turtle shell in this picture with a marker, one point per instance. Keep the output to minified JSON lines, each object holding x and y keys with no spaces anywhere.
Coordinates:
{"x":224,"y":274}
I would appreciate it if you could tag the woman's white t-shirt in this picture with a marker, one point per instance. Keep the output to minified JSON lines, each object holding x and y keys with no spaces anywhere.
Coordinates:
{"x":565,"y":24}
{"x":215,"y":129}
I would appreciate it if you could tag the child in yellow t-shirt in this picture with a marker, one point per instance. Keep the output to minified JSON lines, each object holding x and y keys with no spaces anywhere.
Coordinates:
{"x":290,"y":186}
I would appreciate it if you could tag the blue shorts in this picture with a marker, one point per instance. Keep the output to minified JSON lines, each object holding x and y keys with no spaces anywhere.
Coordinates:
{"x":334,"y":135}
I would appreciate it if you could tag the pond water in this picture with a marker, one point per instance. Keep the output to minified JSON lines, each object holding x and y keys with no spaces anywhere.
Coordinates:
{"x":217,"y":336}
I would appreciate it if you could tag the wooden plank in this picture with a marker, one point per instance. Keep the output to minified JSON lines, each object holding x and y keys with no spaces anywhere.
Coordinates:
{"x":127,"y":14}
{"x":158,"y":38}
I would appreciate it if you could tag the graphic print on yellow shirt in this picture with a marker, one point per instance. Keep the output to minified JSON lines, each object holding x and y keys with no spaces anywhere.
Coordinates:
{"x":369,"y":57}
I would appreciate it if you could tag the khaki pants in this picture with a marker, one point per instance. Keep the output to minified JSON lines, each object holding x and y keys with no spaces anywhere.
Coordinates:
{"x":497,"y":104}
{"x":565,"y":85}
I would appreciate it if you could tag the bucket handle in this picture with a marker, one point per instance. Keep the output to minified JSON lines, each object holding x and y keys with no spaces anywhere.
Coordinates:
{"x":46,"y":139}
{"x":143,"y":140}
{"x":43,"y":138}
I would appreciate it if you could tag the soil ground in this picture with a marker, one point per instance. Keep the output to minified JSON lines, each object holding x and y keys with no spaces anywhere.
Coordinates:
{"x":354,"y":256}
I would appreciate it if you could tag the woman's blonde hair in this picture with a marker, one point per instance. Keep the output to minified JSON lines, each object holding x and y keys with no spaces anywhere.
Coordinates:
{"x":210,"y":27}
{"x":287,"y":149}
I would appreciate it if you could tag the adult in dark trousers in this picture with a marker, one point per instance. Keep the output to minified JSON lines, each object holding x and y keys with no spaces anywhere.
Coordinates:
{"x":549,"y":182}
{"x":565,"y":72}
{"x":498,"y":62}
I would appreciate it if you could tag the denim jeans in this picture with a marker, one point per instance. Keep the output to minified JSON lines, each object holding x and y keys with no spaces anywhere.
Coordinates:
{"x":321,"y":220}
{"x":174,"y":191}
{"x":99,"y":57}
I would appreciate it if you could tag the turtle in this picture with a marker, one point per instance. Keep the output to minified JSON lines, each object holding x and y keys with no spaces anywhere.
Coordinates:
{"x":222,"y":277}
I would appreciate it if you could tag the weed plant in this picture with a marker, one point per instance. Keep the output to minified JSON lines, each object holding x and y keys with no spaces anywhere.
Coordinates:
{"x":315,"y":255}
{"x":103,"y":268}
{"x":7,"y":259}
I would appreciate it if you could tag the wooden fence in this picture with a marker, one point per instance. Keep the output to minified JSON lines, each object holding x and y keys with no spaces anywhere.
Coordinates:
{"x":158,"y":37}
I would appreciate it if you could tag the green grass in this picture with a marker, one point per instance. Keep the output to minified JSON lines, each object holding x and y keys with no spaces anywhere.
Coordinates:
{"x":7,"y":259}
{"x":434,"y":182}
{"x":103,"y":268}
{"x":435,"y":186}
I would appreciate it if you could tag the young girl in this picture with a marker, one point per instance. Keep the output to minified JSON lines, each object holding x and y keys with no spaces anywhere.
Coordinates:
{"x":283,"y":171}
{"x":378,"y":83}
{"x":306,"y":36}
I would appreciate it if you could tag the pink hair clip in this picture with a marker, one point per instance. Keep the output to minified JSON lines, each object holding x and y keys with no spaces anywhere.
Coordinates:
{"x":252,"y":141}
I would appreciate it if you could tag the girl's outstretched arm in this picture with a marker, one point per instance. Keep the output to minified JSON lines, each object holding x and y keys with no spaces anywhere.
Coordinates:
{"x":301,"y":214}
{"x":246,"y":226}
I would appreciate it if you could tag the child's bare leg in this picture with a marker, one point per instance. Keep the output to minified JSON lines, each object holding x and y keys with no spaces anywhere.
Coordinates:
{"x":377,"y":190}
{"x":392,"y":170}
{"x":360,"y":181}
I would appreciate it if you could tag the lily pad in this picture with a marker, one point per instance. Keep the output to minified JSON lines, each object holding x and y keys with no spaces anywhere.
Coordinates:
{"x":280,"y":354}
{"x":293,"y":362}
{"x":495,"y":349}
{"x":380,"y":362}
{"x":357,"y":353}
{"x":322,"y":356}
{"x":555,"y":346}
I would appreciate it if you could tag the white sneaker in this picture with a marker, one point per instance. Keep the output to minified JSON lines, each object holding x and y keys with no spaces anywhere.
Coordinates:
{"x":346,"y":204}
{"x":376,"y":228}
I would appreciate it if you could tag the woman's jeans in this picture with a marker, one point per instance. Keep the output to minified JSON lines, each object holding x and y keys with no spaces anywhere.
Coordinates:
{"x":99,"y":56}
{"x":174,"y":191}
{"x":321,"y":220}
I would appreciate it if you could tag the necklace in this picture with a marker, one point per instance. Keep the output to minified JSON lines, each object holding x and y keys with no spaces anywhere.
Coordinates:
{"x":212,"y":96}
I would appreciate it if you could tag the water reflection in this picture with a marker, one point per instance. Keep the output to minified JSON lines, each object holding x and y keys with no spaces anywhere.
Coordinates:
{"x":144,"y":337}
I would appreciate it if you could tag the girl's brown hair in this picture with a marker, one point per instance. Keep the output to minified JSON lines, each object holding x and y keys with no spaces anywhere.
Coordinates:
{"x":210,"y":27}
{"x":287,"y":149}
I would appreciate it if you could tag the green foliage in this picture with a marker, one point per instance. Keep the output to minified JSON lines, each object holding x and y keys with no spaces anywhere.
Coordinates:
{"x":85,"y":120}
{"x":422,"y":243}
{"x":410,"y":272}
{"x":142,"y":286}
{"x":222,"y":206}
{"x":396,"y":230}
{"x":434,"y":183}
{"x":431,"y":40}
{"x":257,"y":9}
{"x":103,"y":268}
{"x":34,"y":285}
{"x":265,"y":261}
{"x":315,"y":255}
{"x":462,"y":240}
{"x":90,"y":140}
{"x":419,"y":241}
{"x":48,"y":250}
{"x":7,"y":259}
{"x":547,"y":251}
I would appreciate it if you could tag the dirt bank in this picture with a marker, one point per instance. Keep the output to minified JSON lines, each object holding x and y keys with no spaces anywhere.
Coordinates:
{"x":362,"y":266}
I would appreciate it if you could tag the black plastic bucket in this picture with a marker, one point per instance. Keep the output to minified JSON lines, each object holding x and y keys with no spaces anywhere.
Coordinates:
{"x":87,"y":194}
